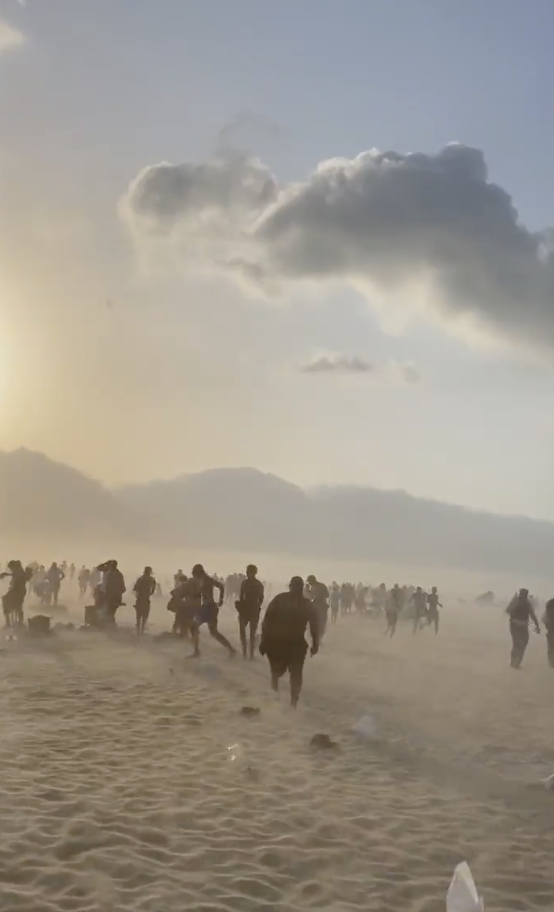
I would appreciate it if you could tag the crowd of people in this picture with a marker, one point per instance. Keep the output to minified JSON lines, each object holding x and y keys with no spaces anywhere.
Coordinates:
{"x":195,"y":601}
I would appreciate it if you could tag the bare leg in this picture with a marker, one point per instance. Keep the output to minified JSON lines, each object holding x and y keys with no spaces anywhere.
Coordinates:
{"x":195,"y":637}
{"x":242,"y":633}
{"x":254,"y":621}
{"x":295,"y":682}
{"x":214,"y":632}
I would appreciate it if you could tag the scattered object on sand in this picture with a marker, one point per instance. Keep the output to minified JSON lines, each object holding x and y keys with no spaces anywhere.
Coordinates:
{"x":39,"y":625}
{"x":61,"y":626}
{"x":234,"y":752}
{"x":323,"y":742}
{"x":165,"y":635}
{"x":366,"y":727}
{"x":58,"y":609}
{"x":250,"y":711}
{"x":462,"y":893}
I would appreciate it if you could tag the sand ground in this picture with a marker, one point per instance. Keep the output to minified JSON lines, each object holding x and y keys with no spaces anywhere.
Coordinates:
{"x":131,"y":781}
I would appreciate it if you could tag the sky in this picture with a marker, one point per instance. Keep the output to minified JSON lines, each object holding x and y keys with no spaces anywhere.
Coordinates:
{"x":306,"y":237}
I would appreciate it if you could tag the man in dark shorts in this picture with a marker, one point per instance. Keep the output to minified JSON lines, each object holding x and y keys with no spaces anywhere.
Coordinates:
{"x":318,"y":594}
{"x":433,"y":606}
{"x":521,"y":612}
{"x":144,"y":589}
{"x":249,"y":605}
{"x":209,"y":610}
{"x":283,"y":636}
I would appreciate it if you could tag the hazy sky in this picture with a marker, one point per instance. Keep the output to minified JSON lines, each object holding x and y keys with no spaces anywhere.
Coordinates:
{"x":385,"y":320}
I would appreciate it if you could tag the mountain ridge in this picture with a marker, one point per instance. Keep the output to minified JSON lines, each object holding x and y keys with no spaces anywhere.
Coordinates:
{"x":247,"y":509}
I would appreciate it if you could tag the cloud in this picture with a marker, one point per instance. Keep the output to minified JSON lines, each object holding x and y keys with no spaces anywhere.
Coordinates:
{"x":429,"y":234}
{"x":338,"y":363}
{"x":10,"y":37}
{"x":224,"y":194}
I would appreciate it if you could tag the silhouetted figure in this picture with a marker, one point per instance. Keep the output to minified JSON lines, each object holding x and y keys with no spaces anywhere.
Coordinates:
{"x":347,"y":595}
{"x":209,"y":610}
{"x":55,"y":575}
{"x":144,"y":589}
{"x":334,"y":602}
{"x":83,"y":580}
{"x":12,"y":601}
{"x":419,"y":601}
{"x":521,"y":612}
{"x":249,"y":605}
{"x":185,"y":601}
{"x":318,"y":594}
{"x":71,"y":571}
{"x":393,"y":607}
{"x":283,"y":636}
{"x":360,"y":603}
{"x":113,"y":585}
{"x":548,"y":620}
{"x":433,"y":605}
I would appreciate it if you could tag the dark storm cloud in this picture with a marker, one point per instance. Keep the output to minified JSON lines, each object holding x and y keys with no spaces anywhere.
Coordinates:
{"x":383,"y":221}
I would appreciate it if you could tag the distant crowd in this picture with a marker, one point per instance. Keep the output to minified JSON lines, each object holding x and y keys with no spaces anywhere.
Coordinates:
{"x":196,"y":600}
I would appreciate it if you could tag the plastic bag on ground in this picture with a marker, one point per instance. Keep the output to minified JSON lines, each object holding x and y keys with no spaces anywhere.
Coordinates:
{"x":366,"y":727}
{"x":462,"y":893}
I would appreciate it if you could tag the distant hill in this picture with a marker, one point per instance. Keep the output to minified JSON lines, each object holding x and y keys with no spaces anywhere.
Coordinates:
{"x":250,"y":511}
{"x":38,"y":495}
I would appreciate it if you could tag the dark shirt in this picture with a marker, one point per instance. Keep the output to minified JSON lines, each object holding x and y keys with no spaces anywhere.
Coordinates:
{"x":252,"y":593}
{"x":114,"y":583}
{"x":18,"y":584}
{"x":145,"y":587}
{"x":521,"y":609}
{"x":287,"y":618}
{"x":319,"y":594}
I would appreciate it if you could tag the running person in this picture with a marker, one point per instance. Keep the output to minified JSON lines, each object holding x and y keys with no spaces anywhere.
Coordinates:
{"x":318,"y":594}
{"x":521,"y":612}
{"x":144,"y":589}
{"x":249,"y":605}
{"x":209,"y":610}
{"x":433,"y":606}
{"x":283,"y":636}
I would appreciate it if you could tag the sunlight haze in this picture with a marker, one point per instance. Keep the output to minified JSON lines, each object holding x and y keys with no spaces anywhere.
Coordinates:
{"x":159,"y":319}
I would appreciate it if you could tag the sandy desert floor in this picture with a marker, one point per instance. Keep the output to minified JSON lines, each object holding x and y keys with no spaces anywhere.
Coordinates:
{"x":131,"y":781}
